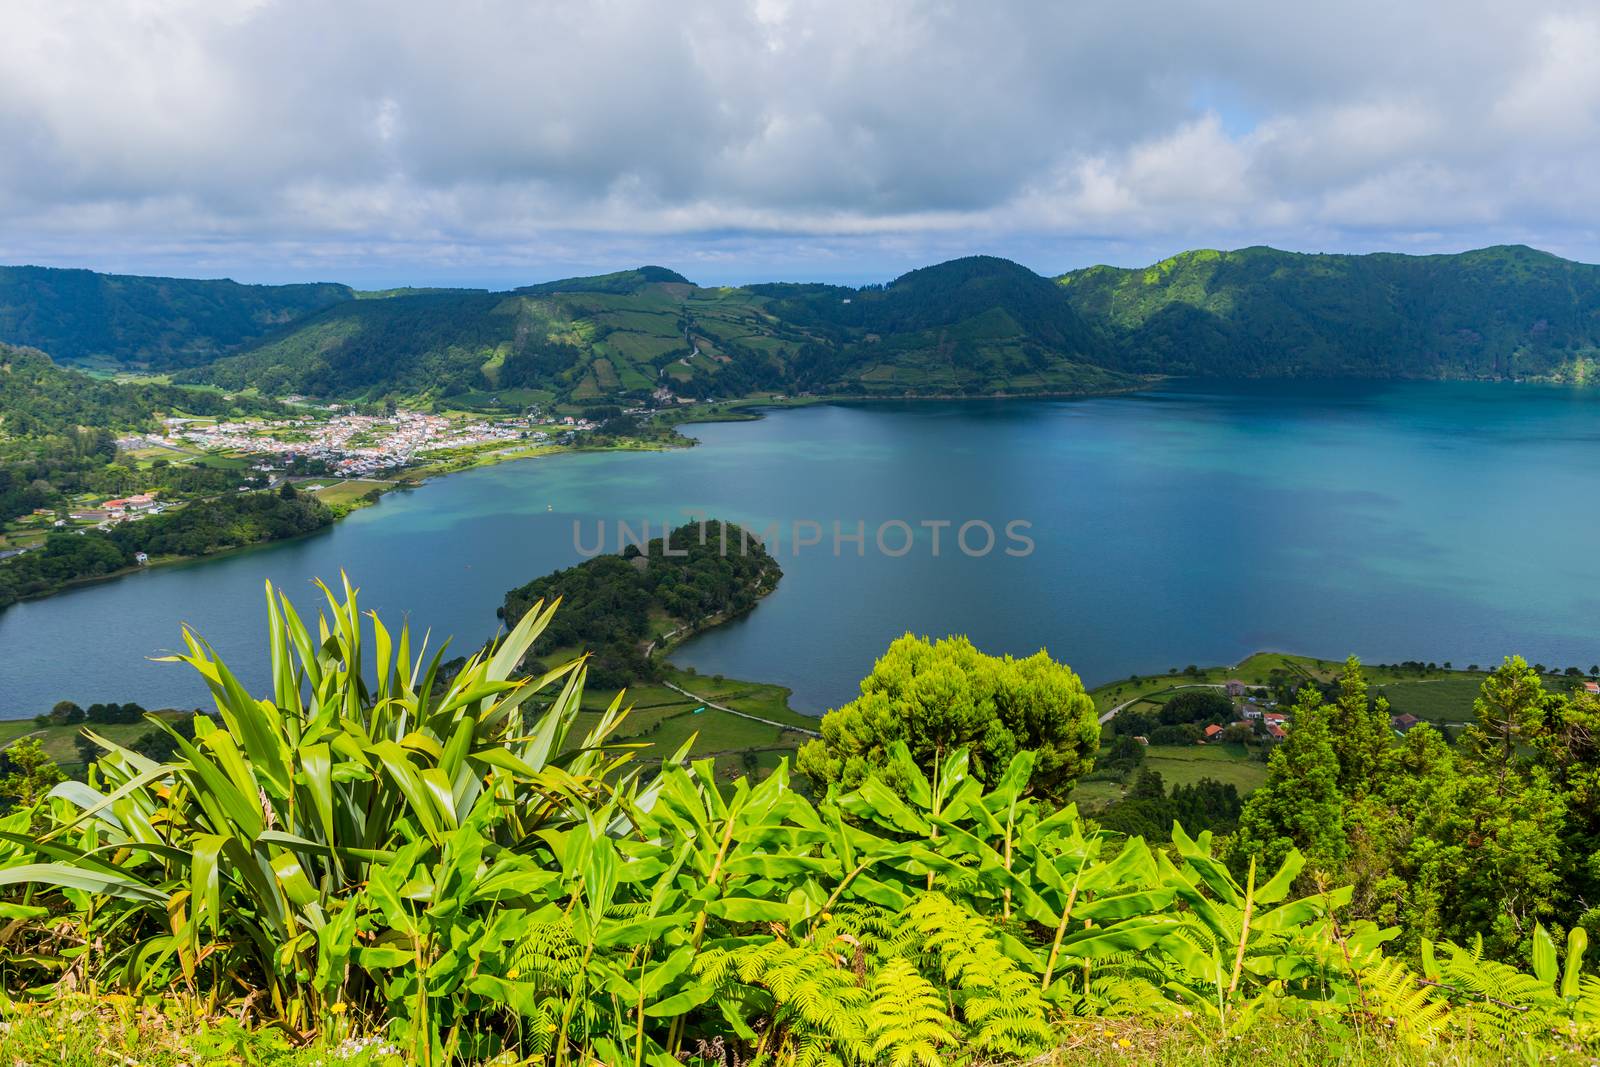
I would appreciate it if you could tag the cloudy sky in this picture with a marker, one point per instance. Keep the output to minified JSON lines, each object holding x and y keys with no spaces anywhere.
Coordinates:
{"x":497,"y":142}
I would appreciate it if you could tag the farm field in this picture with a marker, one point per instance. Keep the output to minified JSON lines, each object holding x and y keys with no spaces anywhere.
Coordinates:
{"x":663,"y":719}
{"x":347,"y":492}
{"x":60,"y":742}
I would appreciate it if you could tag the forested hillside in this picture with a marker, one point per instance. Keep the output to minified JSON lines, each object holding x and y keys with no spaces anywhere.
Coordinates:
{"x":1504,"y":312}
{"x":617,"y":604}
{"x":58,"y":428}
{"x":38,"y":397}
{"x":973,"y":326}
{"x":156,"y":322}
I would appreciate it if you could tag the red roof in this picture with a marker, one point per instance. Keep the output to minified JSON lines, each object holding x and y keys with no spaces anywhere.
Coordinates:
{"x":1213,"y":730}
{"x":1275,"y":730}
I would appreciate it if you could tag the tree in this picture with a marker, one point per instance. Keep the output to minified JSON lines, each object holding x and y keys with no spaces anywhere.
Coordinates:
{"x":1299,"y":806}
{"x":1238,"y":733}
{"x":1148,"y":786}
{"x":1486,"y":849}
{"x":1360,"y":731}
{"x":1387,"y":825}
{"x":65,"y":713}
{"x":27,"y":773}
{"x":1126,"y":753}
{"x":1197,"y":705}
{"x":1488,"y":859}
{"x":1509,"y":703}
{"x":1566,"y":744}
{"x":937,"y":697}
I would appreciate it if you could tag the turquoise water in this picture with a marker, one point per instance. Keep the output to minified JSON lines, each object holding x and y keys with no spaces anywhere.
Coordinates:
{"x":1194,"y":524}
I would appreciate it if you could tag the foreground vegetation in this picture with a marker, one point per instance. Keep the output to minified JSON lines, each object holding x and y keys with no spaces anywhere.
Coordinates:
{"x":370,"y":849}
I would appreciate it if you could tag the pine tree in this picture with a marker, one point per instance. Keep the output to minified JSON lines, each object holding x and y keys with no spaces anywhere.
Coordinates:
{"x":1300,"y":805}
{"x":1486,"y":854}
{"x":1360,"y":731}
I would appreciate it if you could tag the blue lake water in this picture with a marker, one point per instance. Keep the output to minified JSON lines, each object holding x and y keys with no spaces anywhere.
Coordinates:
{"x":1191,"y":524}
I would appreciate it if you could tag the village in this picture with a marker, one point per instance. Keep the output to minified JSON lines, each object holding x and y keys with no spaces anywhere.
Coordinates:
{"x":338,"y":455}
{"x":351,"y":445}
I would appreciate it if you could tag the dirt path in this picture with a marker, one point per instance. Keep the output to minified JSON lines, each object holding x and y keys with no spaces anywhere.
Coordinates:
{"x":741,"y":714}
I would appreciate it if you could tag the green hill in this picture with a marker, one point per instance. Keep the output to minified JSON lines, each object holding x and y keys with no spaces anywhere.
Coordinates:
{"x":1503,"y":312}
{"x":619,"y":607}
{"x":973,"y":326}
{"x":39,"y":398}
{"x":977,"y":325}
{"x":58,"y":427}
{"x":122,"y":320}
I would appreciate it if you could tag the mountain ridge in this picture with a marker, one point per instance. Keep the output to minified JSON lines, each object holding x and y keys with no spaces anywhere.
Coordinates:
{"x":140,"y":322}
{"x":977,"y":325}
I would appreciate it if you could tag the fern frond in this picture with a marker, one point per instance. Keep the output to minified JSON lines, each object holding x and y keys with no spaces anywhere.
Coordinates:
{"x":999,"y":1001}
{"x":906,"y":1023}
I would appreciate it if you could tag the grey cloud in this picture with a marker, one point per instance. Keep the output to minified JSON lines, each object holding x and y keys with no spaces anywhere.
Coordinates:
{"x":500,"y":138}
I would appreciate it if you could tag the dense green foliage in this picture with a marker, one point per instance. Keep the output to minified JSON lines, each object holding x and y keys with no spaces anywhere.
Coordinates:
{"x":228,"y":521}
{"x":1149,"y":811}
{"x":370,"y":845}
{"x":400,"y":344}
{"x":935,"y":697}
{"x":699,"y":573}
{"x":38,"y":398}
{"x":158,"y":322}
{"x":623,"y":282}
{"x":1504,"y":312}
{"x":1181,"y":720}
{"x":1490,"y":838}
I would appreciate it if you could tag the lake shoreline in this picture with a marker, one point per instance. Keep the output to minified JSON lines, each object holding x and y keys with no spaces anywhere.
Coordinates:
{"x":1291,"y":479}
{"x":747,"y":409}
{"x":404,"y":481}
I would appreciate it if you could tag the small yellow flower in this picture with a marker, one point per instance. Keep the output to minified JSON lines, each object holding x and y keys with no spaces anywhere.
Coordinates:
{"x":512,"y":973}
{"x":550,"y":1029}
{"x":338,"y":1007}
{"x":1123,"y":1042}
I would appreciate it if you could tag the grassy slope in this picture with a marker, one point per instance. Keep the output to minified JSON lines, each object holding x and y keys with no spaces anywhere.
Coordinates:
{"x":663,"y":719}
{"x":60,"y":742}
{"x":1439,"y":694}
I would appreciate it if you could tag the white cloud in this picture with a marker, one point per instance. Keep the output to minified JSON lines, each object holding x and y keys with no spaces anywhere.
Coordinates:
{"x":501,"y":139}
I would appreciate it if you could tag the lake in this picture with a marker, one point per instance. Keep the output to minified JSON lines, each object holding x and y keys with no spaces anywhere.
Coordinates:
{"x":1194,"y":523}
